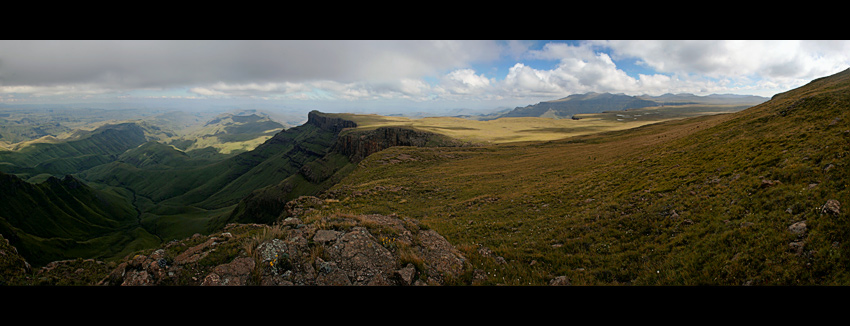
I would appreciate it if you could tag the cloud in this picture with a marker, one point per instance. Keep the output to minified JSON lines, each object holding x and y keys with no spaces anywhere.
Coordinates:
{"x":249,"y":89}
{"x":523,"y":80}
{"x":172,"y":63}
{"x":463,"y":82}
{"x":579,"y":69}
{"x":679,"y":66}
{"x":413,"y":70}
{"x":770,"y":59}
{"x":54,"y":90}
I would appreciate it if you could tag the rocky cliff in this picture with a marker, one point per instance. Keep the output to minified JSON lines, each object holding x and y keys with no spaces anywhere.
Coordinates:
{"x":358,"y":145}
{"x":328,"y":123}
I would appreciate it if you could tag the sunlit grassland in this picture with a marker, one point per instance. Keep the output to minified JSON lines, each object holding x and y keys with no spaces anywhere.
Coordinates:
{"x":699,"y":201}
{"x":228,"y":147}
{"x":532,"y":203}
{"x":508,"y":130}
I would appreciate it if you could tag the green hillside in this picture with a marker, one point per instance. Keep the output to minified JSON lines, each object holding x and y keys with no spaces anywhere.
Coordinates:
{"x":749,"y":198}
{"x":151,"y":154}
{"x":92,"y":149}
{"x":64,"y":218}
{"x":228,"y":133}
{"x":216,"y":184}
{"x":179,"y":195}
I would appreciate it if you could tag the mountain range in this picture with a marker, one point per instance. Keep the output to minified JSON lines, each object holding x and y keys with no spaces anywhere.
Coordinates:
{"x":572,"y":105}
{"x":748,"y":192}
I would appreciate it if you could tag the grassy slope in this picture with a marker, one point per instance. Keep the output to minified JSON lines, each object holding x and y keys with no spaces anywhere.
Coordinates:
{"x":60,"y":219}
{"x":179,"y":199}
{"x":51,"y":227}
{"x":706,"y":200}
{"x":72,"y":156}
{"x":218,"y":184}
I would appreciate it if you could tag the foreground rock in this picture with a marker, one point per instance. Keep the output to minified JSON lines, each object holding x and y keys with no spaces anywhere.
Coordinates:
{"x":336,"y":250}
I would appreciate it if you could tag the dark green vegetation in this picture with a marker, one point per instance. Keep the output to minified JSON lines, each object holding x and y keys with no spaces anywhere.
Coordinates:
{"x":572,"y":105}
{"x":174,"y":194}
{"x":98,"y":147}
{"x":61,"y":218}
{"x":132,"y":191}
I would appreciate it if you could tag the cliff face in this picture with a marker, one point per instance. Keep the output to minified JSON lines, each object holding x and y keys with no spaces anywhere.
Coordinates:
{"x":331,"y":124}
{"x":358,"y":145}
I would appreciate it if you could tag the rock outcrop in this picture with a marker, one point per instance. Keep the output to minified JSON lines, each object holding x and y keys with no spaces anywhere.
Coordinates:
{"x":331,"y":124}
{"x":336,"y":250}
{"x":357,"y":145}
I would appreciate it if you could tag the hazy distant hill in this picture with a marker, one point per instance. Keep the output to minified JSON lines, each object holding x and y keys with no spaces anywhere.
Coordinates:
{"x":86,"y":150}
{"x":599,"y":102}
{"x":229,"y":133}
{"x":716,"y":99}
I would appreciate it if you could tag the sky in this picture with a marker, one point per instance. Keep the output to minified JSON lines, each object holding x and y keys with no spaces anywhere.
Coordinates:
{"x":379,"y":76}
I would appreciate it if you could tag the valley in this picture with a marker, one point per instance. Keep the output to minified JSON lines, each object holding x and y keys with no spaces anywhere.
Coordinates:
{"x":684,"y":191}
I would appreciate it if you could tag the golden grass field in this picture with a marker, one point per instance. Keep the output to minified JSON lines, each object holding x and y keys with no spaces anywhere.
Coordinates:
{"x":508,"y":130}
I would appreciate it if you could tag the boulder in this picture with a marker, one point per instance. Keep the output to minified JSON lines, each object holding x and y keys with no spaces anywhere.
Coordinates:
{"x":798,"y":228}
{"x":832,"y":207}
{"x":560,"y":281}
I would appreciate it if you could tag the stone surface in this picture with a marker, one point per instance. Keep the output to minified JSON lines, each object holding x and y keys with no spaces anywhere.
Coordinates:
{"x":560,"y":281}
{"x":798,"y":228}
{"x":832,"y":207}
{"x":369,"y":250}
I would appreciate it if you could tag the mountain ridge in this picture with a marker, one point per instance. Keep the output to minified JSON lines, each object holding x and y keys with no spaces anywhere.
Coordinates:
{"x":592,"y":102}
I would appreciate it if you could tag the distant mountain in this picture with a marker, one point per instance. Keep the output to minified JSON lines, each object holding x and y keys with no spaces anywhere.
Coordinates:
{"x":86,"y":150}
{"x":717,"y":99}
{"x":600,"y":102}
{"x":229,"y":133}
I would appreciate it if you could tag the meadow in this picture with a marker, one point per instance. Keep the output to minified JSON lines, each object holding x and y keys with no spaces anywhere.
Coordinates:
{"x":726,"y":199}
{"x":536,"y":129}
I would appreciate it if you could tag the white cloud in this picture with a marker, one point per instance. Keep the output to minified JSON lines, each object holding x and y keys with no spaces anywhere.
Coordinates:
{"x":249,"y":89}
{"x":373,"y":70}
{"x":463,"y":82}
{"x":579,"y":69}
{"x":780,"y":59}
{"x":55,"y":90}
{"x":526,"y":81}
